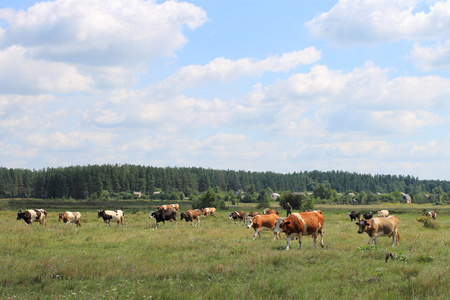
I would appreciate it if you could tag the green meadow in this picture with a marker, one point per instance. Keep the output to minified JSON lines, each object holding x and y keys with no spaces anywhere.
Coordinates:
{"x":218,"y":260}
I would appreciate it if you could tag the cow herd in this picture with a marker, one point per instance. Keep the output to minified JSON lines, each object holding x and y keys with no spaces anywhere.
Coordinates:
{"x":296,"y":225}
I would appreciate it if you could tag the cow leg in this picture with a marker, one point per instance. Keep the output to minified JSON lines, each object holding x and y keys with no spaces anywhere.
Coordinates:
{"x":394,"y":238}
{"x":300,"y":236}
{"x":288,"y":241}
{"x":321,"y":239}
{"x":315,"y":237}
{"x":374,"y":238}
{"x":256,"y":233}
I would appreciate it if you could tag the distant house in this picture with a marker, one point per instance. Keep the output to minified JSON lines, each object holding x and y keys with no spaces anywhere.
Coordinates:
{"x":406,"y":198}
{"x":139,"y":194}
{"x":274,"y":196}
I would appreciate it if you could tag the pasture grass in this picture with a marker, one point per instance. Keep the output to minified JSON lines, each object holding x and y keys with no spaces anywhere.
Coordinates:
{"x":219,"y":260}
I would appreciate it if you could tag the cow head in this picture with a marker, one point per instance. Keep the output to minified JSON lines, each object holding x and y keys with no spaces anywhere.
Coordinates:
{"x":153,"y":215}
{"x":363,"y":226}
{"x":60,"y":216}
{"x":249,"y":222}
{"x":182,"y":216}
{"x":20,"y":215}
{"x":100,"y":213}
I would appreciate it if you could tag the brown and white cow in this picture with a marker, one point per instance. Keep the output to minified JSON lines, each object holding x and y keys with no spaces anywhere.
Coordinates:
{"x":253,"y":213}
{"x":166,"y":206}
{"x":237,"y":216}
{"x":383,"y":213}
{"x":191,"y":215}
{"x":209,"y":211}
{"x":69,"y":217}
{"x":431,"y":214}
{"x":376,"y":227}
{"x":33,"y":215}
{"x":260,"y":222}
{"x":176,"y":207}
{"x":269,"y":211}
{"x":300,"y":224}
{"x":112,"y":216}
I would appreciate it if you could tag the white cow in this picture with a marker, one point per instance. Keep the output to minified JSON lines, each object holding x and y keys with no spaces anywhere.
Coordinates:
{"x":383,"y":213}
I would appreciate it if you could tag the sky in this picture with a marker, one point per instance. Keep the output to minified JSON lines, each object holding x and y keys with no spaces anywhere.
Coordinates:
{"x":257,"y":85}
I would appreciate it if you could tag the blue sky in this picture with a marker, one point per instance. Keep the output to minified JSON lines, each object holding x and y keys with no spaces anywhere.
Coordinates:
{"x":281,"y":85}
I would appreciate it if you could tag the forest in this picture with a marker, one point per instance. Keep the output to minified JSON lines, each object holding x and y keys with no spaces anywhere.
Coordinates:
{"x":94,"y":181}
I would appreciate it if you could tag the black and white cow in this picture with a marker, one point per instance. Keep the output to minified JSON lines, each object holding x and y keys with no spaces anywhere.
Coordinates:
{"x":33,"y":215}
{"x":112,"y":216}
{"x":164,"y":215}
{"x":368,"y":215}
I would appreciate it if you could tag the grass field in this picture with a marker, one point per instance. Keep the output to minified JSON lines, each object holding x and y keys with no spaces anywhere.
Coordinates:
{"x":219,"y":260}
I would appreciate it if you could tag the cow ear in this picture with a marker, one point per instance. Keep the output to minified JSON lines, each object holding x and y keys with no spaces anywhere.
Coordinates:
{"x":357,"y":223}
{"x":287,"y":222}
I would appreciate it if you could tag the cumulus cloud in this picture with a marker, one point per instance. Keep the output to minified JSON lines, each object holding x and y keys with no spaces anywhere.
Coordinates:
{"x":352,"y":22}
{"x":431,"y":58}
{"x":20,"y":74}
{"x":101,"y":32}
{"x":76,"y":45}
{"x":226,"y":70}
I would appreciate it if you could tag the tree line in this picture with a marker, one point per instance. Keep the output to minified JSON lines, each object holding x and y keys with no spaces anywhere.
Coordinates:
{"x":83,"y":182}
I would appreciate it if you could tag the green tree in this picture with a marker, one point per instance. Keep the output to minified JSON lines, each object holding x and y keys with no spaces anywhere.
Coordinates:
{"x":263,"y":199}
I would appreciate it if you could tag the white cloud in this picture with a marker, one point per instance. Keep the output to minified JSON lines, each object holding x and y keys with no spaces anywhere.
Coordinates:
{"x":101,"y":32}
{"x":351,"y":22}
{"x":21,"y":74}
{"x":432,"y":58}
{"x":226,"y":70}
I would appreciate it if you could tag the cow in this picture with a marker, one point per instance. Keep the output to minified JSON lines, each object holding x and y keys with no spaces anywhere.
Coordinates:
{"x":33,"y":215}
{"x":253,"y":213}
{"x":167,"y":206}
{"x":191,"y":215}
{"x":176,"y":207}
{"x":69,"y":217}
{"x":300,"y":224}
{"x":209,"y":211}
{"x":164,"y":215}
{"x":354,"y":215}
{"x":237,"y":216}
{"x":368,"y":215}
{"x":260,"y":222}
{"x":269,"y":211}
{"x":112,"y":216}
{"x":376,"y":227}
{"x":383,"y":213}
{"x":431,"y":214}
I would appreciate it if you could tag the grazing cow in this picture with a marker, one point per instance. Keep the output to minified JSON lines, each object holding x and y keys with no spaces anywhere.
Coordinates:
{"x":112,"y":216}
{"x":69,"y":217}
{"x":253,"y":213}
{"x":354,"y":215}
{"x":380,"y":227}
{"x":260,"y":222}
{"x":33,"y":215}
{"x":164,"y":215}
{"x":431,"y":214}
{"x":269,"y":211}
{"x":368,"y":215}
{"x":191,"y":215}
{"x":383,"y":213}
{"x":167,"y":206}
{"x":209,"y":211}
{"x":300,"y":224}
{"x":176,"y":207}
{"x":237,"y":216}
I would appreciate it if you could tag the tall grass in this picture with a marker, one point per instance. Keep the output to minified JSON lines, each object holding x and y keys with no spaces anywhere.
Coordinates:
{"x":218,"y":260}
